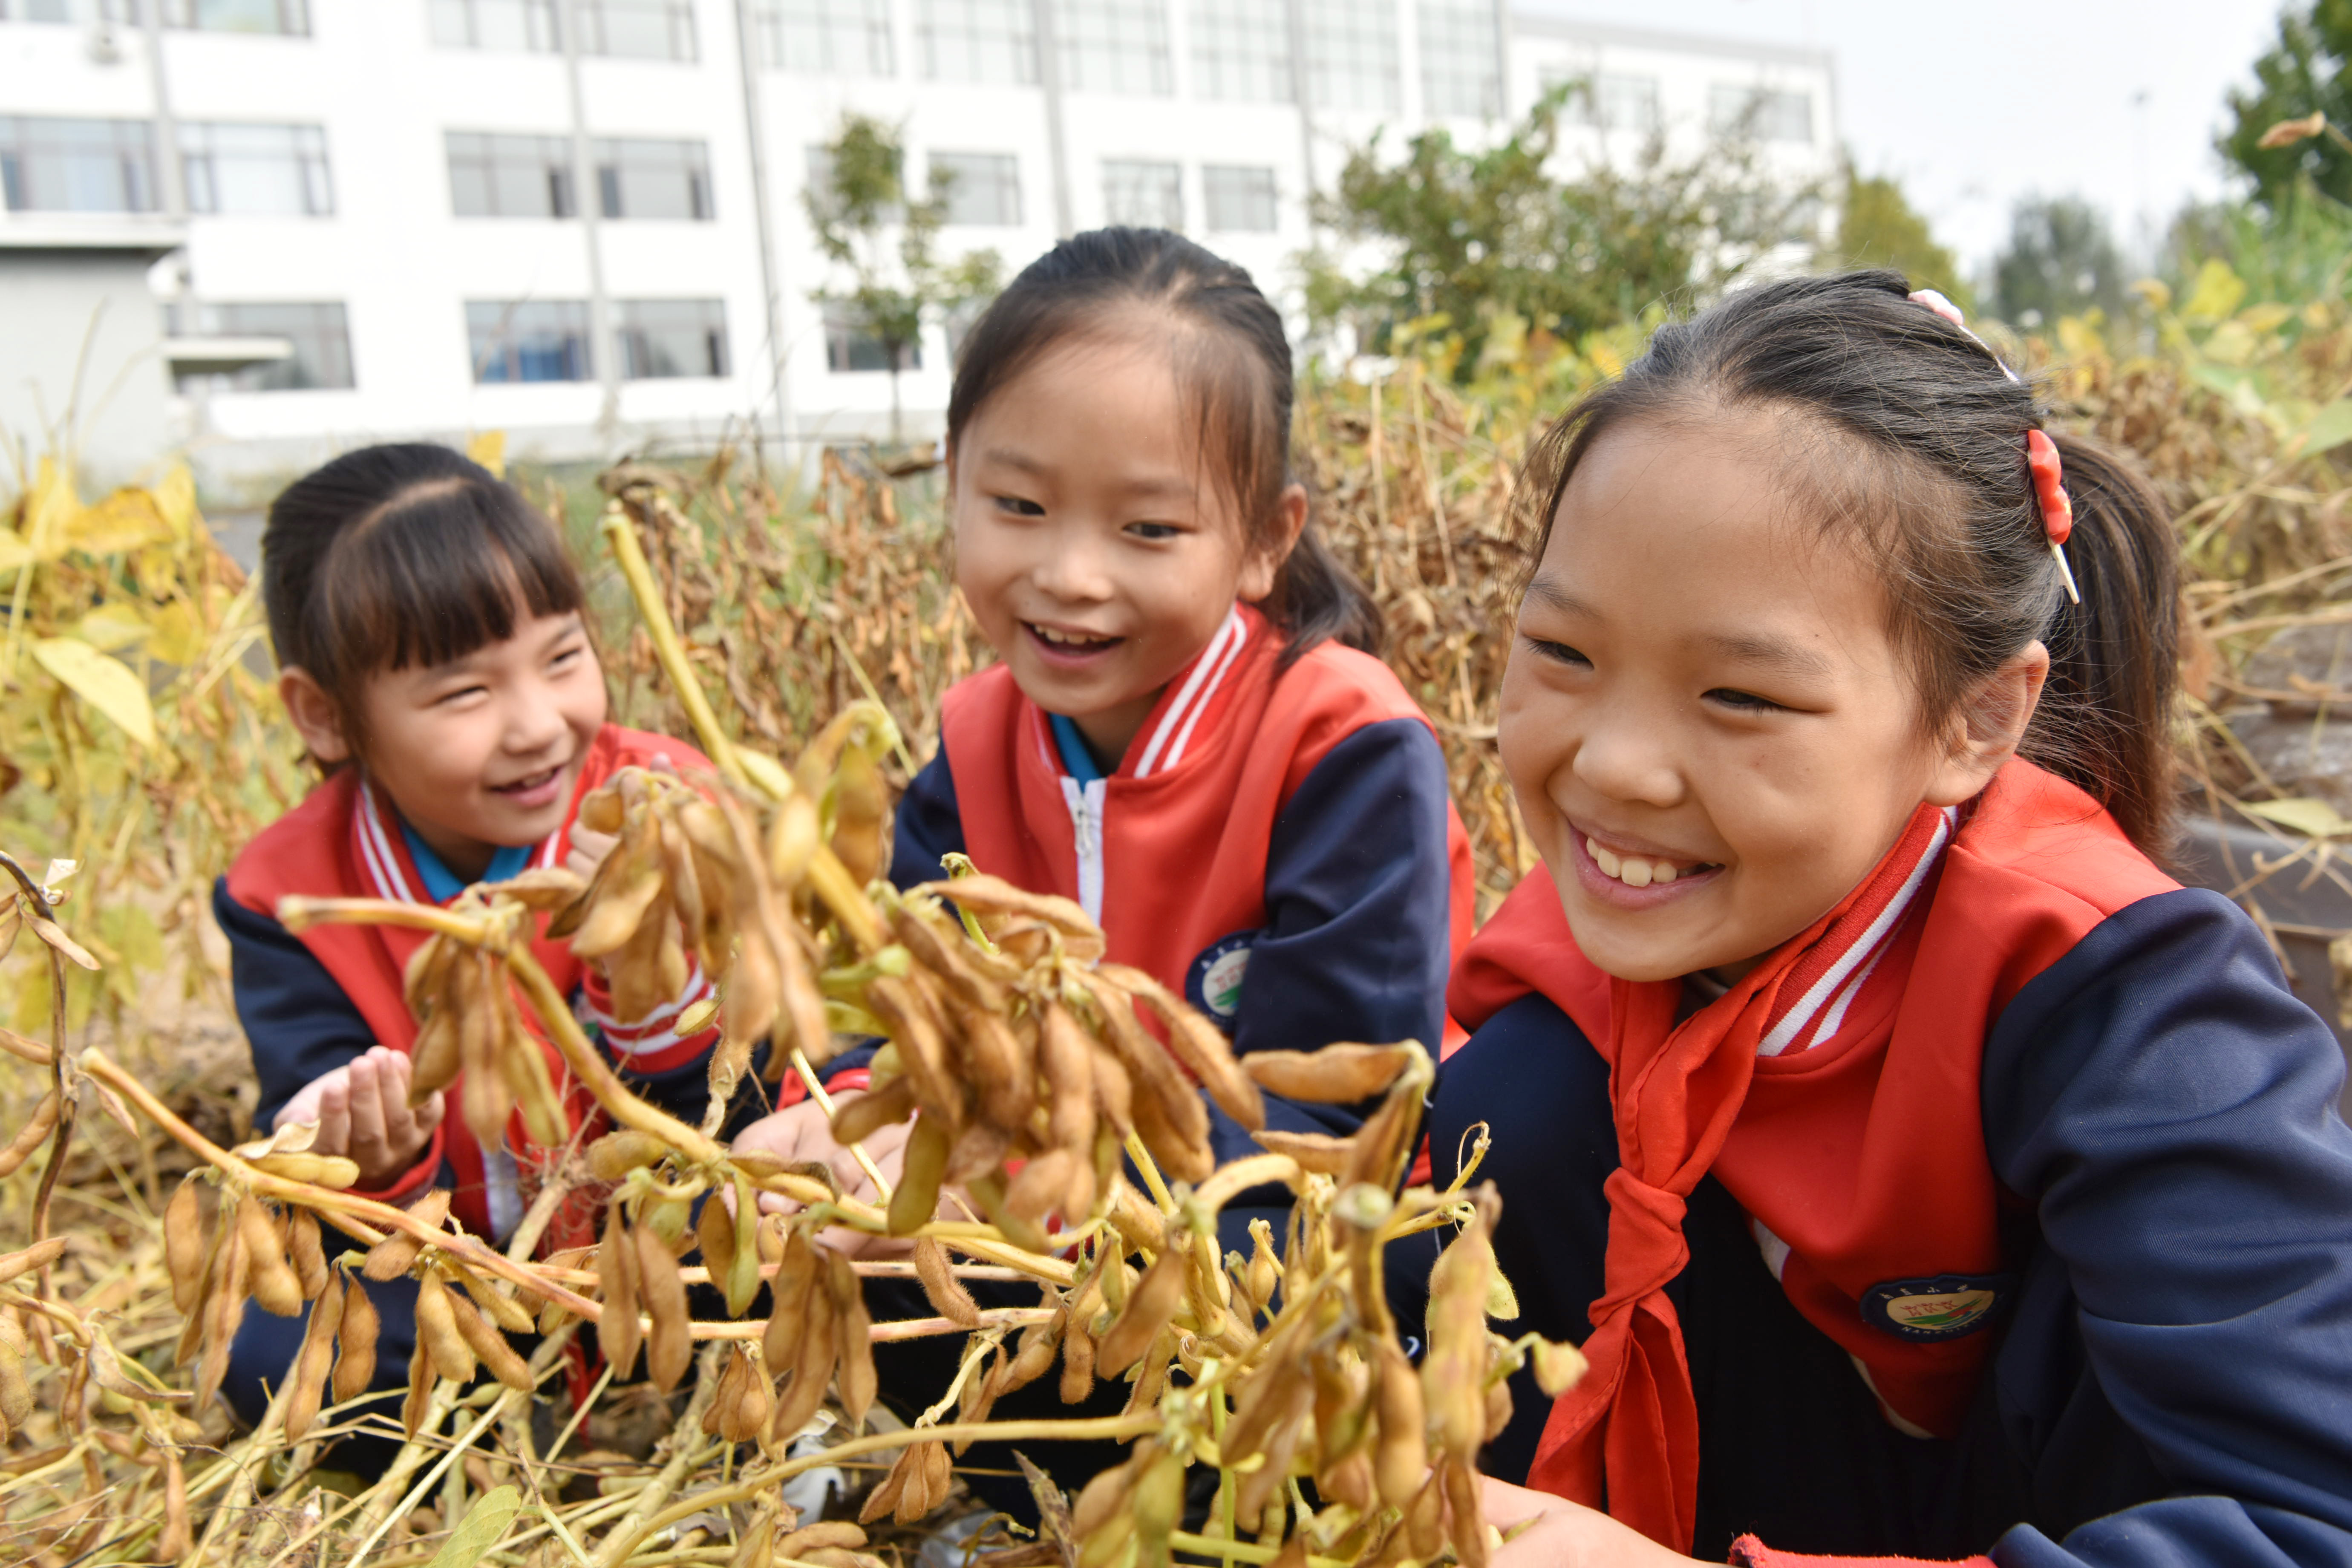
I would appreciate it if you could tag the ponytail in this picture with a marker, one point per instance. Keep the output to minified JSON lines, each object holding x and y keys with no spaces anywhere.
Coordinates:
{"x":2106,"y":719}
{"x":1317,"y":598}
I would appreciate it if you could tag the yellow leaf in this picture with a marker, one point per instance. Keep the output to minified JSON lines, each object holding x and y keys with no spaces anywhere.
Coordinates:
{"x":49,"y":510}
{"x":2217,"y":293}
{"x":123,"y":521}
{"x":175,"y":500}
{"x":176,"y":640}
{"x":2078,"y":338}
{"x":2267,"y":317}
{"x":2330,"y":427}
{"x":106,"y":684}
{"x":112,"y":627}
{"x":14,"y":552}
{"x":2154,"y":290}
{"x":489,"y":449}
{"x":2313,"y":818}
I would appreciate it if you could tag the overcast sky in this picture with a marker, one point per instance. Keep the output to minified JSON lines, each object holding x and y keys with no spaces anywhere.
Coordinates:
{"x":1989,"y":101}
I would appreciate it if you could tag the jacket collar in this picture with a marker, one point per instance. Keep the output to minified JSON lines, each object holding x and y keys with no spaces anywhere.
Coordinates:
{"x":382,"y":845}
{"x":1201,"y":691}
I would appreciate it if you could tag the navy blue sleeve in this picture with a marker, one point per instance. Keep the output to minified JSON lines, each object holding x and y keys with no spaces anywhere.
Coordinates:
{"x":928,"y":826}
{"x":2168,"y":1108}
{"x":298,"y":1022}
{"x":1359,"y":901}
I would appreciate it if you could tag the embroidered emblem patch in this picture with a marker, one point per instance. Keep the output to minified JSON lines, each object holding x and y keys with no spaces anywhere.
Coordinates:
{"x":1942,"y":1308}
{"x":1213,"y":984}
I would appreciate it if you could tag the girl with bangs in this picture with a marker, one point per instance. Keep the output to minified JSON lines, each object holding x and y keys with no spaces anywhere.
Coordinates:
{"x":433,"y":655}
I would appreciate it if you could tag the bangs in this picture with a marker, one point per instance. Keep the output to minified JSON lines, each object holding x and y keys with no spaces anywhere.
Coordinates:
{"x":432,"y":575}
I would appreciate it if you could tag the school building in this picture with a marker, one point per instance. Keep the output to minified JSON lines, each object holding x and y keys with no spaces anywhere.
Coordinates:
{"x":582,"y":221}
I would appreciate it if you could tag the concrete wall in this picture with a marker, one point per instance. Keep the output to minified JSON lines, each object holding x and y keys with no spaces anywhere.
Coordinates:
{"x":61,"y":308}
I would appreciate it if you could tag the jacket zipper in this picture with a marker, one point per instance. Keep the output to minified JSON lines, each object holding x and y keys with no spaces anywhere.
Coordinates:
{"x":1086,"y":803}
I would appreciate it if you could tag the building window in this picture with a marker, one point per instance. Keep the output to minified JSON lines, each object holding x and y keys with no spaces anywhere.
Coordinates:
{"x":637,"y":29}
{"x":1239,"y":200}
{"x":1761,"y":112}
{"x":1351,"y":54}
{"x":1241,"y":51}
{"x":290,"y":17}
{"x":1145,"y":194}
{"x":650,"y":179}
{"x":977,"y":41}
{"x":983,"y":189}
{"x":494,"y":175}
{"x":827,"y":37}
{"x":76,"y":165}
{"x":1461,"y":69}
{"x":1608,"y":102}
{"x":36,"y":10}
{"x":528,"y":339}
{"x":317,"y":332}
{"x":278,"y":171}
{"x":1113,"y":45}
{"x":515,"y":24}
{"x":849,"y":346}
{"x":663,"y":339}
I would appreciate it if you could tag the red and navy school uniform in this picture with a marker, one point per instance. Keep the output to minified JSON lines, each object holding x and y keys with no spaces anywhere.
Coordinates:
{"x":314,"y":1001}
{"x":1278,"y":842}
{"x":2032,"y":1238}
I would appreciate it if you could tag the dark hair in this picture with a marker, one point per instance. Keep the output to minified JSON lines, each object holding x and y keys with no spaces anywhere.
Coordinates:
{"x":1233,"y":359}
{"x":1935,"y":480}
{"x":396,"y":555}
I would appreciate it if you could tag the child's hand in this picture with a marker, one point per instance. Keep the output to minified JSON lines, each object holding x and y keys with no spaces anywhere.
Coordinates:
{"x":1566,"y":1534}
{"x":803,"y":1132}
{"x":363,"y":1112}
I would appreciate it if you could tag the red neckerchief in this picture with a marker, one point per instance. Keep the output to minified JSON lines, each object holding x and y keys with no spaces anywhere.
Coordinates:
{"x":1833,"y":1090}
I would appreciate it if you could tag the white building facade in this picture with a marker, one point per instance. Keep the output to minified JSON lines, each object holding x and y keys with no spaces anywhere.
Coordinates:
{"x":581,"y":221}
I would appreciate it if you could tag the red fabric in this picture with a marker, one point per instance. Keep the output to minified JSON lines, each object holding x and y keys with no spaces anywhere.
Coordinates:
{"x":325,"y":847}
{"x":791,"y":1091}
{"x":1186,"y":843}
{"x":1749,"y":1552}
{"x":1864,"y":1153}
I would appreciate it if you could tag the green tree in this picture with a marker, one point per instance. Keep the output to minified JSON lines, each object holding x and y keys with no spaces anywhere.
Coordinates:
{"x":2308,"y":70}
{"x":2060,"y":261}
{"x":1488,"y":236}
{"x":1878,"y":226}
{"x":885,"y":240}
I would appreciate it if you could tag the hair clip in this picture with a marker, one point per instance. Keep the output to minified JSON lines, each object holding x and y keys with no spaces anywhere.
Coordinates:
{"x":2057,"y":508}
{"x":1931,"y":299}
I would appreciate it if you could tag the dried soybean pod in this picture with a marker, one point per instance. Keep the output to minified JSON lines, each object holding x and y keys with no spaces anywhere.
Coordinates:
{"x":271,"y":1279}
{"x":714,"y":1234}
{"x":669,"y":1346}
{"x":884,"y":1497}
{"x":183,"y":1244}
{"x":1149,"y":1308}
{"x":853,"y":1338}
{"x":1078,"y":1358}
{"x":494,"y":1304}
{"x":1044,"y":1183}
{"x":1198,"y":1044}
{"x":1035,"y":1357}
{"x":1469,"y":1521}
{"x":1000,"y":1068}
{"x":941,"y":1288}
{"x":1498,"y":1408}
{"x":313,"y":1363}
{"x":1180,"y":1154}
{"x":222,"y":1311}
{"x":753,"y":1404}
{"x":788,"y":1302}
{"x":1318,"y":1153}
{"x":356,"y":1344}
{"x":924,"y":1166}
{"x":484,"y":1340}
{"x":420,"y":1389}
{"x":1066,"y":1061}
{"x":1335,"y":1074}
{"x":434,"y":1061}
{"x":617,"y":1329}
{"x":15,"y":1389}
{"x":391,"y":1257}
{"x":922,"y":1054}
{"x":28,"y":1137}
{"x":1401,"y":1457}
{"x":1114,"y":1090}
{"x":833,"y":1533}
{"x":1425,"y":1521}
{"x":1265,"y":1271}
{"x":309,"y":1256}
{"x":863,"y":1115}
{"x":437,"y":1330}
{"x":812,"y":1368}
{"x":616,"y":1154}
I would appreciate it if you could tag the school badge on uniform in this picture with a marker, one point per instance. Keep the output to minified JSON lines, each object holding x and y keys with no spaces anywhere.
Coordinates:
{"x":1942,"y":1308}
{"x":1213,"y":982}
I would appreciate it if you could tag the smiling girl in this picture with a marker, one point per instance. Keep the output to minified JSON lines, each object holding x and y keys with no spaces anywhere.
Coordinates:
{"x":432,"y":657}
{"x":1925,"y":1171}
{"x":1187,"y":732}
